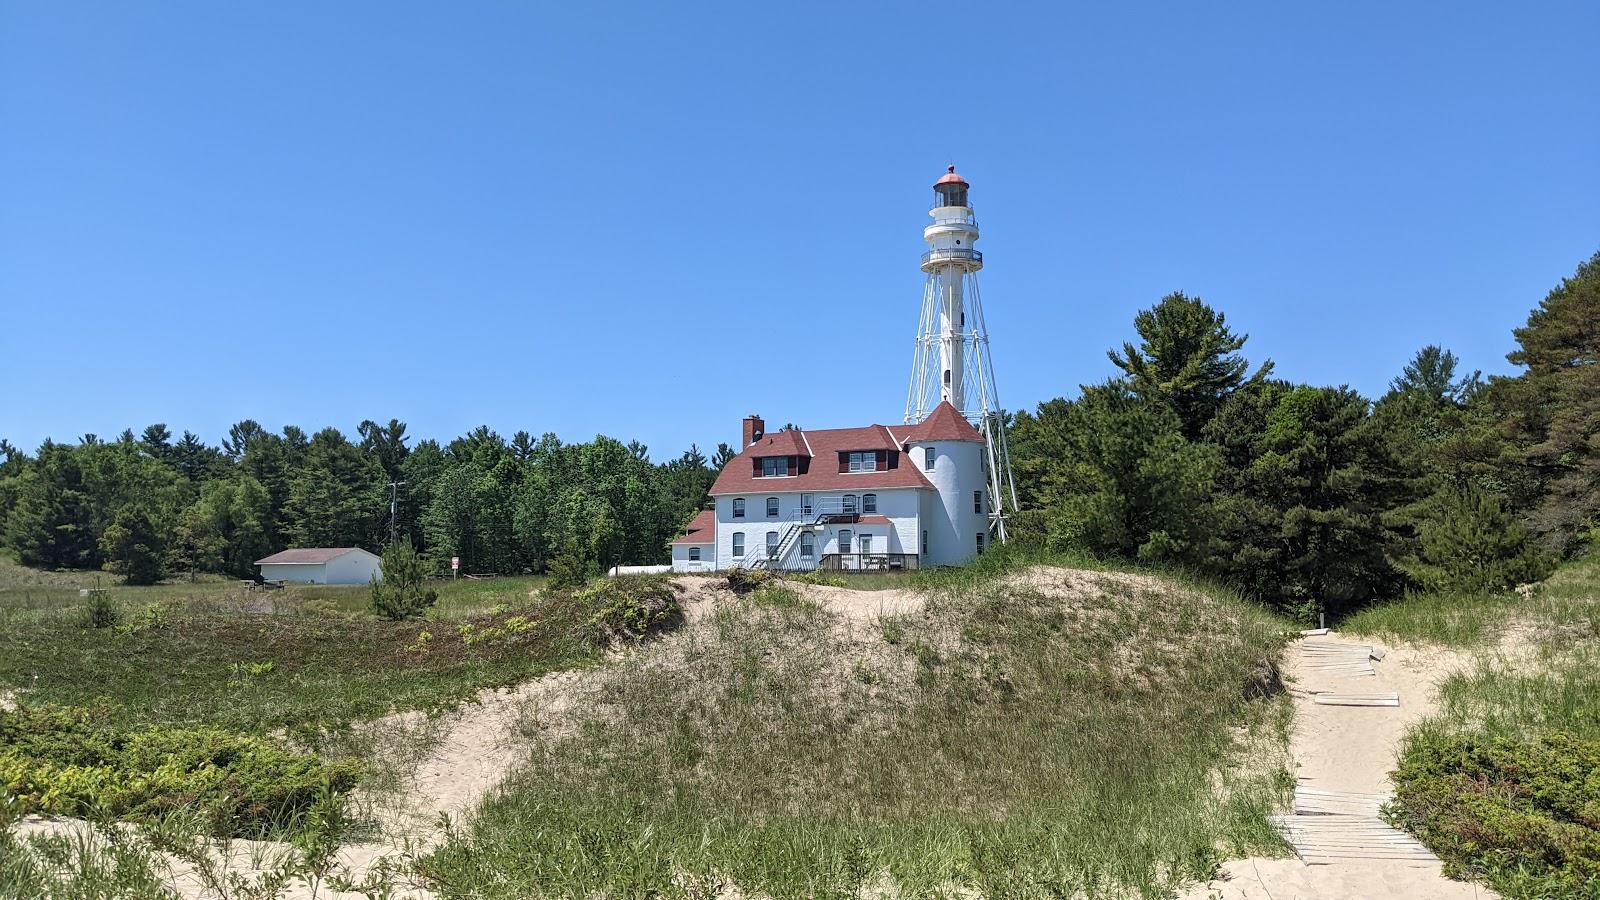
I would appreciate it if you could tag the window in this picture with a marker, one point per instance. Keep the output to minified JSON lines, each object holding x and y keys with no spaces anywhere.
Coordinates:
{"x":844,"y":540}
{"x":977,"y":502}
{"x":869,"y":503}
{"x":849,"y":504}
{"x":805,"y":504}
{"x":864,"y":461}
{"x":694,"y":554}
{"x":929,"y":457}
{"x":738,"y":507}
{"x":738,"y":544}
{"x":980,"y":542}
{"x":772,"y":545}
{"x":773,"y":466}
{"x":924,"y":542}
{"x":866,"y":543}
{"x":772,"y":507}
{"x":808,"y":545}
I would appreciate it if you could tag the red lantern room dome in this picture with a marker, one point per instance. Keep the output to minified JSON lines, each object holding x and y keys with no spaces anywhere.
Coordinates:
{"x":951,"y":190}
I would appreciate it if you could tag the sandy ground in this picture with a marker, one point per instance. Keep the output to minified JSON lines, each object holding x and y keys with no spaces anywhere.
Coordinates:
{"x":1351,"y":748}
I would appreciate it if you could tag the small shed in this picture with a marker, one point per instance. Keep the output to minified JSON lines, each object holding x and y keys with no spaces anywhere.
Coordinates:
{"x":694,"y":550}
{"x":322,"y":565}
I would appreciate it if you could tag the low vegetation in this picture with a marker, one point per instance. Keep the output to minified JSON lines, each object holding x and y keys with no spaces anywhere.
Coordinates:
{"x":1502,"y":782}
{"x":57,"y":761}
{"x":1049,"y":734}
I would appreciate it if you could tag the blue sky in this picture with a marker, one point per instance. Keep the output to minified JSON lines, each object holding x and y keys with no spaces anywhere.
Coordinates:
{"x":649,"y":220}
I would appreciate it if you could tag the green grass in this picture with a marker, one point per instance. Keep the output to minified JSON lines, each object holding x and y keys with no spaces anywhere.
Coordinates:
{"x":305,"y":659}
{"x":1005,"y":741}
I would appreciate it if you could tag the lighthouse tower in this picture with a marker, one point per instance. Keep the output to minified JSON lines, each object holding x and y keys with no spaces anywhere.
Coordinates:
{"x":952,"y":362}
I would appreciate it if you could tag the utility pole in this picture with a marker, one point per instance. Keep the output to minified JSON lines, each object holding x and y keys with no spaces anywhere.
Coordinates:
{"x":394,"y":504}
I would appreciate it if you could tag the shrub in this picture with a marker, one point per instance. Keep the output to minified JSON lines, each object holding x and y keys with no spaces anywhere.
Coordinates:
{"x":1466,"y":542}
{"x":54,"y":761}
{"x":400,"y":595}
{"x":99,"y":611}
{"x":568,"y":569}
{"x":1524,"y":814}
{"x":743,"y":581}
{"x":630,"y":607}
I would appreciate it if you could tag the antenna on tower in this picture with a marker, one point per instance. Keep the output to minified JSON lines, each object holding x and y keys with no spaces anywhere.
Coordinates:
{"x":952,"y":362}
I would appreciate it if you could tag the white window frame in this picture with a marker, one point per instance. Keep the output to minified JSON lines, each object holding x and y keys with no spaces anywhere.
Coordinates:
{"x":694,"y":554}
{"x":864,"y":543}
{"x":844,"y":540}
{"x":772,"y":507}
{"x":869,"y":503}
{"x":774,"y":466}
{"x":738,"y":545}
{"x":808,"y":545}
{"x":738,"y":507}
{"x":850,"y":504}
{"x":772,"y":545}
{"x":863,"y":461}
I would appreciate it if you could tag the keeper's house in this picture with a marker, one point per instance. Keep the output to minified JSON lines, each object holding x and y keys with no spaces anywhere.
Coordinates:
{"x":855,"y":499}
{"x":322,"y":565}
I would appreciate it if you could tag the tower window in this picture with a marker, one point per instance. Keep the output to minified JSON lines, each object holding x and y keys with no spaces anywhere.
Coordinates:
{"x":980,"y":542}
{"x":946,"y":377}
{"x":929,"y":457}
{"x":977,"y":502}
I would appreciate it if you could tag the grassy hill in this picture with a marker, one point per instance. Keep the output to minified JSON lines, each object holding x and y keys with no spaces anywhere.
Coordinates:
{"x":1027,"y":732}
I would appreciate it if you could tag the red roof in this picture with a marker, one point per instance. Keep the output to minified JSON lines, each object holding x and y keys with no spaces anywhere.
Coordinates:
{"x":823,"y":447}
{"x":309,"y":556}
{"x":873,"y":520}
{"x":943,"y":424}
{"x":951,"y":178}
{"x":700,"y":530}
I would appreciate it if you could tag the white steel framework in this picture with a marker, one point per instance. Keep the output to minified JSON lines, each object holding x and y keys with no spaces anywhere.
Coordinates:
{"x":952,"y":359}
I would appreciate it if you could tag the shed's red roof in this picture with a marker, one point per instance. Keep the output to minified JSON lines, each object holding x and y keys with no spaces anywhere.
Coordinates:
{"x":873,"y":520}
{"x":309,"y":556}
{"x":701,"y":529}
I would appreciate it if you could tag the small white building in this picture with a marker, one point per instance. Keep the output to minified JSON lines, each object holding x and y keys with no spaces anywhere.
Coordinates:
{"x":846,"y":499}
{"x":322,"y":565}
{"x":695,"y":550}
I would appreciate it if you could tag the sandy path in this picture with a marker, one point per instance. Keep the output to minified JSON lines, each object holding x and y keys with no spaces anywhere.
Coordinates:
{"x":1350,"y":748}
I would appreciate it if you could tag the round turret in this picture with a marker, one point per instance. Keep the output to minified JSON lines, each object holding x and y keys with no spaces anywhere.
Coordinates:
{"x":951,"y":190}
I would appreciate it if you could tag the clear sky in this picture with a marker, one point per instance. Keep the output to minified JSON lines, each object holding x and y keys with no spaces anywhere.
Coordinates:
{"x":650,"y":219}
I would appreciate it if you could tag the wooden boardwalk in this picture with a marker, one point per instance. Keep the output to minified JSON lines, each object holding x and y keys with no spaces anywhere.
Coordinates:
{"x":1331,"y":826}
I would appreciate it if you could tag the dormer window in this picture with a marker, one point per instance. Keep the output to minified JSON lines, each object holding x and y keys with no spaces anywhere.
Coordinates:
{"x":776,"y":466}
{"x":864,"y":461}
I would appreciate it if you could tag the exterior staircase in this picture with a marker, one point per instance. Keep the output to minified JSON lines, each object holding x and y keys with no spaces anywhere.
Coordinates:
{"x":825,"y":511}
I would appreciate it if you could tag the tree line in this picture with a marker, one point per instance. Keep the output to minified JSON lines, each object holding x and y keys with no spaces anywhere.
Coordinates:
{"x":1316,"y":499}
{"x":148,"y":506}
{"x":1312,"y":499}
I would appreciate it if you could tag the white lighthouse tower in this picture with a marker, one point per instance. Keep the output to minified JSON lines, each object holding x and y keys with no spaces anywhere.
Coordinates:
{"x":952,"y":353}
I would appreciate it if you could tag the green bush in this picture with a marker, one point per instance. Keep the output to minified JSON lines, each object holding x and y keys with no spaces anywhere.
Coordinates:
{"x":100,"y":611}
{"x":1522,"y":814}
{"x":55,"y":761}
{"x":630,"y":607}
{"x":400,"y":595}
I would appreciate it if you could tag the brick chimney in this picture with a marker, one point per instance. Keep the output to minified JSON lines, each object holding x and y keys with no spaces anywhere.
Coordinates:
{"x":754,"y":428}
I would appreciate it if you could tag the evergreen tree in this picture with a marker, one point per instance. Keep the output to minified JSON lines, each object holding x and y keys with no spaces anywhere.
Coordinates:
{"x":1468,"y":543}
{"x":133,"y":547}
{"x":1187,"y":358}
{"x":1112,"y":473}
